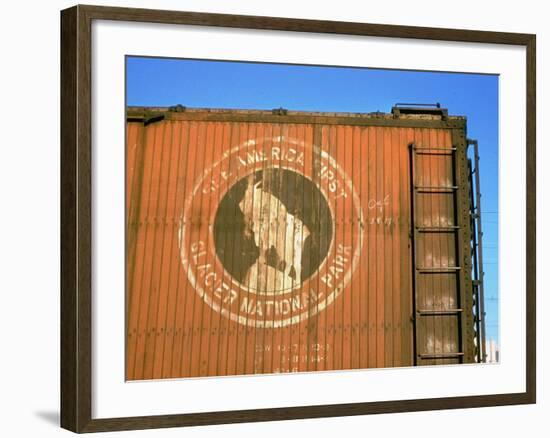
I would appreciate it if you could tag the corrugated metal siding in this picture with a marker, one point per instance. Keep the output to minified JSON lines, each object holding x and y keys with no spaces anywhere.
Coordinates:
{"x":173,"y":332}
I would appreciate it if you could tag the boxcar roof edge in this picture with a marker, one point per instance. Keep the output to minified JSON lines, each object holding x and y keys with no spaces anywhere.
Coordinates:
{"x":149,"y":115}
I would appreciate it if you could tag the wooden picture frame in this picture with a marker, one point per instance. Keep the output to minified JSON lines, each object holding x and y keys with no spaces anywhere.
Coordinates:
{"x":76,"y":218}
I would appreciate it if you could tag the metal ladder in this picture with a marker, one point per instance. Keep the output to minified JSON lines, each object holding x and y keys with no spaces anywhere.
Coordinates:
{"x":477,"y":253}
{"x":419,"y":270}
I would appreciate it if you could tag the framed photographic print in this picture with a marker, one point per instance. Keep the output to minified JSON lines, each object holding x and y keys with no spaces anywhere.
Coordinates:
{"x":259,"y":205}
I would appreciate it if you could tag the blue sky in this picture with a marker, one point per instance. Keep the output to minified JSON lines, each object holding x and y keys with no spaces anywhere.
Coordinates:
{"x":196,"y":83}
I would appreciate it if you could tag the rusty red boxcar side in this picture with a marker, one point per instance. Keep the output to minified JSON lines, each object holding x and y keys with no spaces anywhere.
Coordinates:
{"x":278,"y":241}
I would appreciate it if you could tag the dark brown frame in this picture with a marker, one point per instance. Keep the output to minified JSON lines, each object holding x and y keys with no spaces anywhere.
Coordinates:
{"x":76,"y":221}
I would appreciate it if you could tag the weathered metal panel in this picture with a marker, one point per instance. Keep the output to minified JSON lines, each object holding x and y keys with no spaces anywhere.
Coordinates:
{"x":262,"y":246}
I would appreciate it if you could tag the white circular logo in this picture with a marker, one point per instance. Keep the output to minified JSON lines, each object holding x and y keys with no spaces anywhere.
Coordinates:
{"x":259,"y":239}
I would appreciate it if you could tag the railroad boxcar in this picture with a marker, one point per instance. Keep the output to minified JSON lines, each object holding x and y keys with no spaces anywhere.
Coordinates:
{"x":286,"y":241}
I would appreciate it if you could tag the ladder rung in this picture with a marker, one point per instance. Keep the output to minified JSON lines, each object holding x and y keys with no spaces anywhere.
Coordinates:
{"x":435,"y":151}
{"x":438,"y":229}
{"x":427,"y":312}
{"x":440,"y":355}
{"x":435,"y":189}
{"x":438,"y":270}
